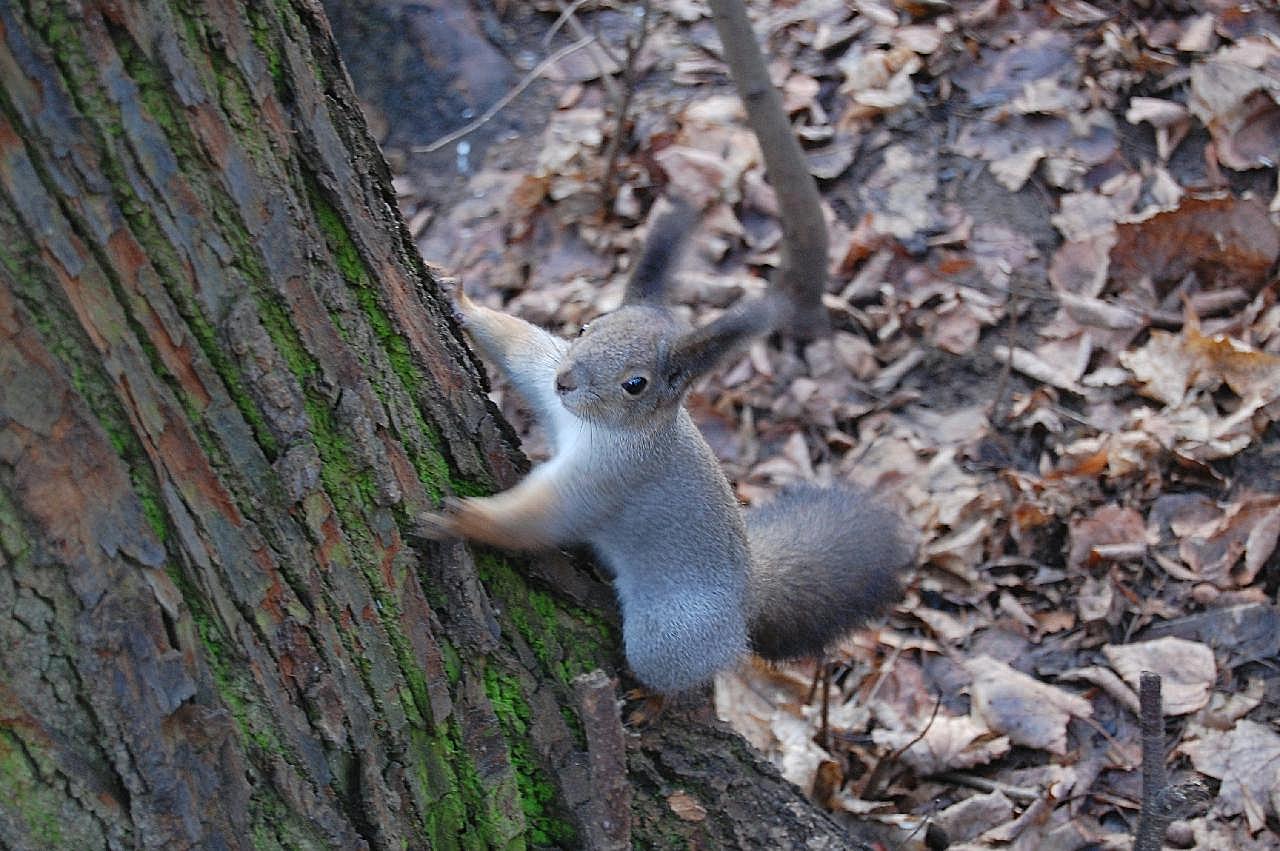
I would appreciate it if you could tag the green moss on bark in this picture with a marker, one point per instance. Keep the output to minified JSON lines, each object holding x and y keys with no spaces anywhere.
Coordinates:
{"x":566,"y":640}
{"x":538,"y":793}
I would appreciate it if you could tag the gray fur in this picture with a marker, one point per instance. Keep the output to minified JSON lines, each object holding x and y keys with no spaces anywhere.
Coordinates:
{"x":632,"y":477}
{"x":825,"y":560}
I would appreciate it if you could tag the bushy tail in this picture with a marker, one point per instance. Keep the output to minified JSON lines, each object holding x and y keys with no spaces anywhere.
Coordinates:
{"x":824,"y":560}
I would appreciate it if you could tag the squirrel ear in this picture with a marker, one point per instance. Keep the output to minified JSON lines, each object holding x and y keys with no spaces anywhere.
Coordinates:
{"x":662,"y":249}
{"x":702,"y":348}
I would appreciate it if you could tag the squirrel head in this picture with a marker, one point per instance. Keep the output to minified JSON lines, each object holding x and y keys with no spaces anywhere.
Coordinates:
{"x":617,"y":372}
{"x":632,"y":367}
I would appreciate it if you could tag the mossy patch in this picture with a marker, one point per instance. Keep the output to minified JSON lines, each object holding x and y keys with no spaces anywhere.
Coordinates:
{"x":566,"y":640}
{"x":41,"y":810}
{"x":537,"y":791}
{"x":423,"y":448}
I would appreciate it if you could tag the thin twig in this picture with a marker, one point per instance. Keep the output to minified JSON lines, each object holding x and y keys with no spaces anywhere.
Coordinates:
{"x":623,"y":105}
{"x":1153,"y":818}
{"x":826,"y":704}
{"x":1021,"y":794}
{"x":882,"y":673}
{"x":489,"y":113}
{"x":876,"y":777}
{"x":565,"y":12}
{"x":601,"y":49}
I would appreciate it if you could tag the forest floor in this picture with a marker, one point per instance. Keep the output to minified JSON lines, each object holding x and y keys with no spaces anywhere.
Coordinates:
{"x":1056,"y":347}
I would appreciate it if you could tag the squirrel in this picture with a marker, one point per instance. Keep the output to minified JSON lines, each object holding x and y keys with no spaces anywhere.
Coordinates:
{"x":699,"y":582}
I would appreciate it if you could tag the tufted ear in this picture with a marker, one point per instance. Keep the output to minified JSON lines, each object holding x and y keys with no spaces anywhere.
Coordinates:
{"x":662,"y":249}
{"x":698,"y":352}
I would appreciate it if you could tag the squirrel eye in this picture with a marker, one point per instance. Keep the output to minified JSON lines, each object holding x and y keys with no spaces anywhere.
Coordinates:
{"x":583,"y":329}
{"x":635,"y":385}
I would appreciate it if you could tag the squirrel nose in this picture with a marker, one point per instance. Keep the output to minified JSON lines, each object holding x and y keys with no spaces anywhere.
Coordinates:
{"x":565,"y":381}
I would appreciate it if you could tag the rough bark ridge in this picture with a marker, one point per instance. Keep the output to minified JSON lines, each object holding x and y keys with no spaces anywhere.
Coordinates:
{"x":226,"y":385}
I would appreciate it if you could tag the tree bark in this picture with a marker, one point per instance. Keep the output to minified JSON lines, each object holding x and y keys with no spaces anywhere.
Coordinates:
{"x":227,"y":385}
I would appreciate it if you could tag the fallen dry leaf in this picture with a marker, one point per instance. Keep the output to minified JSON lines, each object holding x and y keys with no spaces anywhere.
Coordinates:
{"x":974,"y":816}
{"x":1110,"y":524}
{"x":1239,"y":106}
{"x":1187,"y":670}
{"x":1029,"y":712}
{"x":1231,"y":546}
{"x":1227,"y":242}
{"x":1247,"y":761}
{"x":951,"y":742}
{"x":1171,"y":120}
{"x":1170,"y":365}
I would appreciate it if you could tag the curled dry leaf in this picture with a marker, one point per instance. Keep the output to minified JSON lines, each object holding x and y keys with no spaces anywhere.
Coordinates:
{"x":703,"y":177}
{"x":951,"y":742}
{"x":1239,"y":106}
{"x":799,"y":757}
{"x":799,"y":93}
{"x":957,"y":328}
{"x":974,"y":816}
{"x":1247,"y":529}
{"x":1170,"y":364}
{"x":1187,"y":670}
{"x":899,"y":194}
{"x":1083,"y":215}
{"x":1199,"y":432}
{"x":1224,"y":710}
{"x":1048,"y":96}
{"x":1095,"y":600}
{"x":1110,"y":524}
{"x":879,"y":80}
{"x":1012,"y":172}
{"x":1034,"y":366}
{"x":1247,"y":761}
{"x":1171,"y":120}
{"x":1028,"y":711}
{"x":1080,"y":266}
{"x":1107,"y":680}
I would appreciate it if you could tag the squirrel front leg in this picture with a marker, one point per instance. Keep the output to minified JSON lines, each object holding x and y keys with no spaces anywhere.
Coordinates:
{"x":527,"y":355}
{"x":528,"y":516}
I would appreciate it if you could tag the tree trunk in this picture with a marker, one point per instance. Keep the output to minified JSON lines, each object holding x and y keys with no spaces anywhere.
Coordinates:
{"x":227,"y":386}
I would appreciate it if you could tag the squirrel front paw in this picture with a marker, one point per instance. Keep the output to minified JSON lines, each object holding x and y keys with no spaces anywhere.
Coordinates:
{"x":458,"y":519}
{"x":458,"y":300}
{"x":432,"y":526}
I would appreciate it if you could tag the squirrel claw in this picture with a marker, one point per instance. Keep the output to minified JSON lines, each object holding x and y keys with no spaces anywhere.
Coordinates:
{"x":649,"y":708}
{"x":459,"y":303}
{"x":434,"y":526}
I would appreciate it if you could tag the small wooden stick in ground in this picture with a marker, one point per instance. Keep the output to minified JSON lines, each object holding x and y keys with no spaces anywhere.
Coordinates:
{"x":1154,"y":816}
{"x":1160,"y":801}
